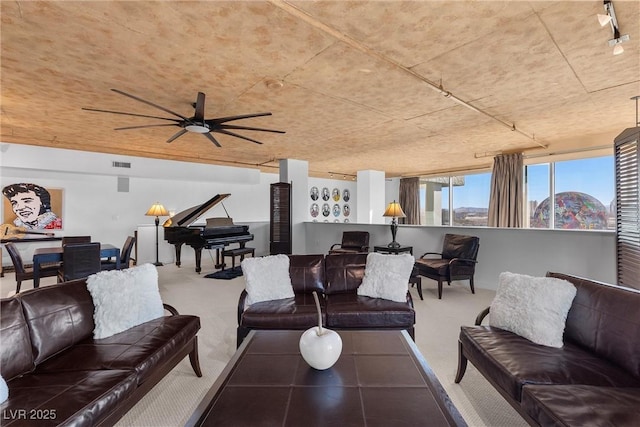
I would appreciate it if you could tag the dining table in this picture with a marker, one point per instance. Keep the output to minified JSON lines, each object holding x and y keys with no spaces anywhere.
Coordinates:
{"x":54,"y":254}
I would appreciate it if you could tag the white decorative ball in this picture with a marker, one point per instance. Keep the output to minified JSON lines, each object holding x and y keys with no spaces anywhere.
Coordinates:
{"x":320,"y":351}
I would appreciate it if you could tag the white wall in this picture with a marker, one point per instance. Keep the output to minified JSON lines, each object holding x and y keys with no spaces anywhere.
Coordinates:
{"x":332,"y":184}
{"x":584,"y":253}
{"x":93,"y":206}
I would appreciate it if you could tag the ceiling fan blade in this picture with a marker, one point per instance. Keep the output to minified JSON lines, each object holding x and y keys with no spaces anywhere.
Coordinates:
{"x":129,"y":114}
{"x":151,"y":104}
{"x":199,"y":115}
{"x":223,"y":126}
{"x":244,"y":116}
{"x":145,"y":126}
{"x":212,"y":139}
{"x":226,"y":132}
{"x":177,"y":135}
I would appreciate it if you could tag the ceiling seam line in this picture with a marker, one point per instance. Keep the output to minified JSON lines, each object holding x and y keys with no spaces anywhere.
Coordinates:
{"x":566,"y":61}
{"x":293,"y":10}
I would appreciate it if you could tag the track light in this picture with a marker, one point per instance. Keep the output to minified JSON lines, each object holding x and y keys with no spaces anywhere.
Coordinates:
{"x":618,"y":49}
{"x":603,"y":19}
{"x":610,"y":18}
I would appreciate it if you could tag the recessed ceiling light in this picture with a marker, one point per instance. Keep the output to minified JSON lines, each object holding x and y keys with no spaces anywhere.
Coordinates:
{"x":364,"y":70}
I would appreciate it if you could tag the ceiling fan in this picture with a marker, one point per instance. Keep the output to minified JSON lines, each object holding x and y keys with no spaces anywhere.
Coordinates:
{"x":196,"y":124}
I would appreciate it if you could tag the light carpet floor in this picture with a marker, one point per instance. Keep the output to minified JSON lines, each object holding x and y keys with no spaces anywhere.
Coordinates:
{"x":172,"y":401}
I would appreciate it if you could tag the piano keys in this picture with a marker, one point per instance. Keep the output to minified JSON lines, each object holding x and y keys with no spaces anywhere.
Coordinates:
{"x":216,"y":234}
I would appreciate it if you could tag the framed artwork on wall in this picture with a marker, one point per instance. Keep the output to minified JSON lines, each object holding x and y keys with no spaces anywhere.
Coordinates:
{"x":29,"y":206}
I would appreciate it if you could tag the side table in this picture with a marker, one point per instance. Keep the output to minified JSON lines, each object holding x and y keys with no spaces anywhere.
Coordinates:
{"x":395,"y":251}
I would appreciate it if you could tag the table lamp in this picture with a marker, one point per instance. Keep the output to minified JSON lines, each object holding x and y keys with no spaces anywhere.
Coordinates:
{"x":157,"y":210}
{"x":394,"y":210}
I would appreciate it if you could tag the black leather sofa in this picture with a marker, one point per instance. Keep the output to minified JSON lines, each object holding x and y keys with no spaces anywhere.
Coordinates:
{"x":57,"y":374}
{"x":335,"y":277}
{"x":593,"y":380}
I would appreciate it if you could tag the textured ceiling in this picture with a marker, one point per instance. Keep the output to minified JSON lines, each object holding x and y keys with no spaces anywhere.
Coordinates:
{"x":359,"y":79}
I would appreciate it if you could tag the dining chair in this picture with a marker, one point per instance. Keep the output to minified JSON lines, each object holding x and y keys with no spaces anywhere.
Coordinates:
{"x":26,"y":273}
{"x":79,"y":261}
{"x":457,"y":261}
{"x":72,"y":240}
{"x":125,"y":256}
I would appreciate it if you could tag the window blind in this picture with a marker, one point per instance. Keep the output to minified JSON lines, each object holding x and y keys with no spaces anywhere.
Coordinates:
{"x":628,"y":208}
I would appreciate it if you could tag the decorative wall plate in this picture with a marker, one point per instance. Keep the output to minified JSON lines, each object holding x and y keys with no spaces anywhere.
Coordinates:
{"x":314,"y":193}
{"x":315,"y":210}
{"x":325,"y":194}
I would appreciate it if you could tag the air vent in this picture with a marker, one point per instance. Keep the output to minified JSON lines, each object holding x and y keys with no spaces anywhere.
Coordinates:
{"x":125,"y":165}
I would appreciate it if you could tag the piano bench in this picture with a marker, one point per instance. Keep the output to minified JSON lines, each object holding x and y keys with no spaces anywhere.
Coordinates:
{"x":233,"y":253}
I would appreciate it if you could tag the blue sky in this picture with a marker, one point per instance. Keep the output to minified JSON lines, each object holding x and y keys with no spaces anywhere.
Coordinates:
{"x":593,"y":176}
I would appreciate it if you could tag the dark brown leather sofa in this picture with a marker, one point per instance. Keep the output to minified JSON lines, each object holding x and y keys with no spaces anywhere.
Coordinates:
{"x":57,"y":374}
{"x":335,"y":277}
{"x":594,"y":379}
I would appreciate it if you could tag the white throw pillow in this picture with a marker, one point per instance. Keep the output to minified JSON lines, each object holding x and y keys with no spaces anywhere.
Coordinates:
{"x":124,"y":298}
{"x":267,"y":278}
{"x":387,"y":276}
{"x":4,"y":390}
{"x":535,"y":308}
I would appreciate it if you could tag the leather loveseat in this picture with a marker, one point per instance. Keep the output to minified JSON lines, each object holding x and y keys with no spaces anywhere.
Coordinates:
{"x":335,"y":277}
{"x":594,"y":379}
{"x":57,"y":374}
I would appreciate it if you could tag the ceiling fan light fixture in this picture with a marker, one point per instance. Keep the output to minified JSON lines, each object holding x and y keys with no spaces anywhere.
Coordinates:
{"x":618,"y":49}
{"x":197,"y":128}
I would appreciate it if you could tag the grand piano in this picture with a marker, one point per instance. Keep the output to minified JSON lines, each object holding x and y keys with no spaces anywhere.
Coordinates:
{"x":216,"y":234}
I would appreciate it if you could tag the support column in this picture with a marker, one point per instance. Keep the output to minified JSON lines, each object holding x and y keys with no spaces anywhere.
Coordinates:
{"x":370,"y":197}
{"x":296,"y":172}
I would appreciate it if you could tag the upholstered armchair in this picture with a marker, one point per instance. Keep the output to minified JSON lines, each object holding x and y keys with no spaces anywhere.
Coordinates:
{"x":352,"y":242}
{"x":457,"y":261}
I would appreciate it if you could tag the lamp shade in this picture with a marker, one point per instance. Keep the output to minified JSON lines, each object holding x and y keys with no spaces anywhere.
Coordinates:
{"x":394,"y":210}
{"x":157,"y":210}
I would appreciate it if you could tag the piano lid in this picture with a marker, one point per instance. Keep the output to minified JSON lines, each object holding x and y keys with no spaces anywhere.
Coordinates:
{"x":188,"y":216}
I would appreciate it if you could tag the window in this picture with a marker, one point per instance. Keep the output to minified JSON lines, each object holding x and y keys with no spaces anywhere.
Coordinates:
{"x":467,"y":194}
{"x":471,"y":199}
{"x":537,"y":190}
{"x":584,"y":194}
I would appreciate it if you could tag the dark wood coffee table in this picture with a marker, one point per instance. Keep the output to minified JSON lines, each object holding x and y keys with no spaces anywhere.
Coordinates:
{"x":381,"y":379}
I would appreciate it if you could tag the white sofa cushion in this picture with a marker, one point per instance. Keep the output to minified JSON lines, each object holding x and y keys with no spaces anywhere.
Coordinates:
{"x":124,"y":298}
{"x":267,"y":278}
{"x":387,"y":276}
{"x":535,"y":308}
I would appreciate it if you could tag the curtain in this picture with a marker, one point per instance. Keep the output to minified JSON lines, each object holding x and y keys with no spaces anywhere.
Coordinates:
{"x":506,"y":198}
{"x":410,"y":200}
